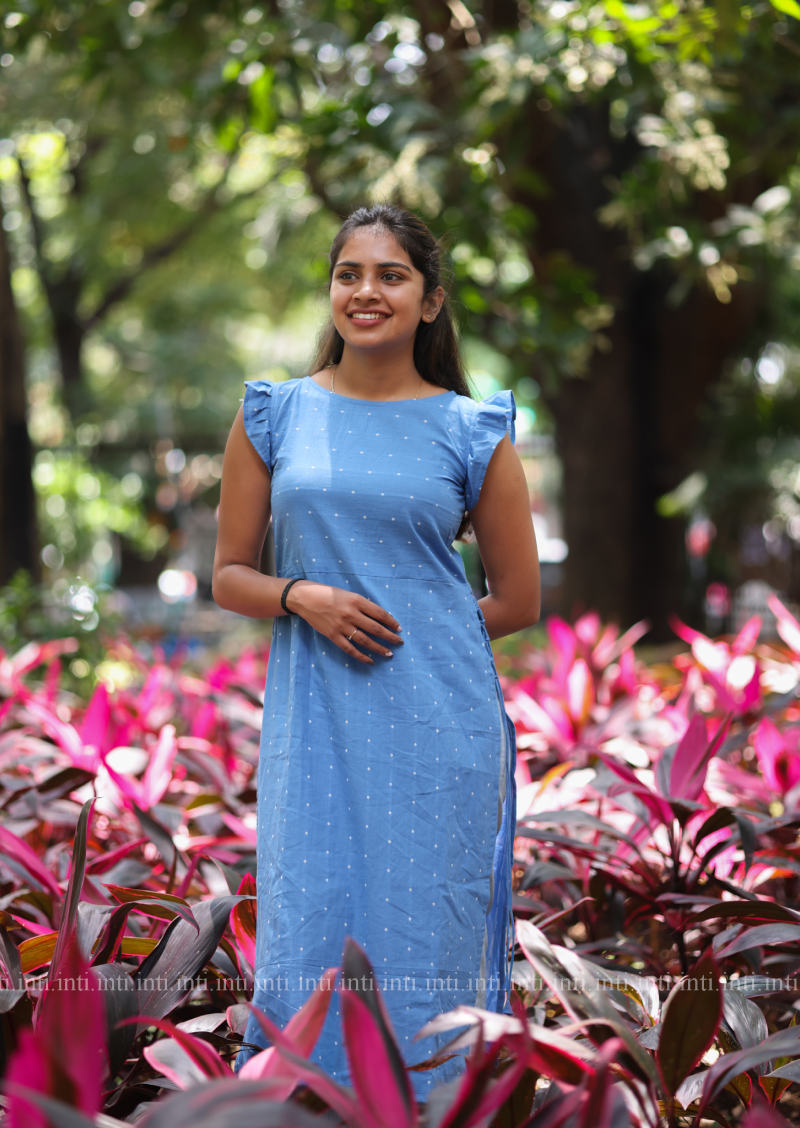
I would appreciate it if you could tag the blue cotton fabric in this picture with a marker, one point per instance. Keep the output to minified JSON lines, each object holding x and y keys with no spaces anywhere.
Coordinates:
{"x":385,"y":793}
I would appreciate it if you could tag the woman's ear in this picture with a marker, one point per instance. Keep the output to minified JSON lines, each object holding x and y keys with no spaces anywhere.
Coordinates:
{"x":432,"y":303}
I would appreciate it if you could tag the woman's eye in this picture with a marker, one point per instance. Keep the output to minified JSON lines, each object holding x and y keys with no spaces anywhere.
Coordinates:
{"x":391,"y":277}
{"x":346,"y":275}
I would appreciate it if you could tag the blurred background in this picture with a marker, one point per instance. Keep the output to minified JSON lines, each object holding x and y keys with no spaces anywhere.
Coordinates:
{"x":619,"y":188}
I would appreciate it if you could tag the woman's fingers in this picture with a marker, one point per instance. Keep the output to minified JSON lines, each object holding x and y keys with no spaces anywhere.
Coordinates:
{"x":363,"y":639}
{"x":370,"y":627}
{"x":367,"y":621}
{"x":348,"y":648}
{"x":367,"y":607}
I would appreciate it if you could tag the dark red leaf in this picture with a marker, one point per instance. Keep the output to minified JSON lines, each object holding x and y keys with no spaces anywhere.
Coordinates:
{"x":691,"y":1018}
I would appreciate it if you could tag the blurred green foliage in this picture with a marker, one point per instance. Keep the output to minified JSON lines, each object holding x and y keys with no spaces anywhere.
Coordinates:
{"x":69,"y":608}
{"x":172,"y":174}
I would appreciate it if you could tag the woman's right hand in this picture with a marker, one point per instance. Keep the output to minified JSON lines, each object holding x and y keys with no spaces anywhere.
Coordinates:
{"x":337,"y":613}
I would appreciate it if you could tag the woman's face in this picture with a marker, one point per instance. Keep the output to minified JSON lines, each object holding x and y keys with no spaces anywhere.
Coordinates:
{"x":377,"y":295}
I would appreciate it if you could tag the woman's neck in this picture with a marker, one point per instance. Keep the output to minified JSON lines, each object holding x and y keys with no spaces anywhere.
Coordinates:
{"x":369,"y":376}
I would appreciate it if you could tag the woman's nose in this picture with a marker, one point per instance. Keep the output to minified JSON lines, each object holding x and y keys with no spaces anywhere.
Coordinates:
{"x":365,"y":288}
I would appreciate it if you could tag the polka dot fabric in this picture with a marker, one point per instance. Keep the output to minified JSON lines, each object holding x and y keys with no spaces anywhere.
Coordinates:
{"x":383,"y":790}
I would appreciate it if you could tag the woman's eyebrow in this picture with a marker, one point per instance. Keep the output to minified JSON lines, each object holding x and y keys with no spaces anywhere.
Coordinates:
{"x":380,"y":265}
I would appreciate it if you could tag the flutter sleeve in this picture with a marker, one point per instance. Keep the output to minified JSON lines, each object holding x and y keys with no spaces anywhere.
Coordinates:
{"x":256,"y":415}
{"x":494,"y":419}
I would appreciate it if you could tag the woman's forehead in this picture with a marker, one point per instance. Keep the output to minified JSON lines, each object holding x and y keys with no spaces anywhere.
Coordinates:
{"x":369,"y":245}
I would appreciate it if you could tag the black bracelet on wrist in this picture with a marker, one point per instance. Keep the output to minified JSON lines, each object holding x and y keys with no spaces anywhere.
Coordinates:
{"x":285,"y":592}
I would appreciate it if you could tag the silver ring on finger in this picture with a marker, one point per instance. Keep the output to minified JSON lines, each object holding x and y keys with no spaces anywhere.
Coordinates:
{"x":355,"y":632}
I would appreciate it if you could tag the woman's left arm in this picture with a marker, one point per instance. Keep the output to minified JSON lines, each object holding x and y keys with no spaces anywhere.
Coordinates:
{"x":507,"y":543}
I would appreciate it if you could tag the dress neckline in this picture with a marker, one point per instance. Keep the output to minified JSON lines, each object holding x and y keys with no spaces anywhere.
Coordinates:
{"x":352,"y":399}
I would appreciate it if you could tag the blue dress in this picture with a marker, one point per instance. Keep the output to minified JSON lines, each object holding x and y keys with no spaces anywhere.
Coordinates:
{"x":386,"y":793}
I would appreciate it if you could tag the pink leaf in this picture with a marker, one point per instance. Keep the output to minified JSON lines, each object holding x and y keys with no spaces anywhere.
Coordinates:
{"x":779,"y":766}
{"x":203,"y":1056}
{"x":686,"y":776}
{"x":725,"y":699}
{"x":168,"y":1057}
{"x":34,"y":654}
{"x":245,"y":832}
{"x":72,"y":1029}
{"x":627,"y":672}
{"x":761,"y":1115}
{"x":20,"y":851}
{"x":599,"y":1111}
{"x":64,"y":735}
{"x":622,"y":645}
{"x":751,"y":694}
{"x":788,"y":626}
{"x":303,"y":1031}
{"x":712,"y":656}
{"x":580,"y":692}
{"x":374,"y":1078}
{"x":564,"y":643}
{"x":601,"y":655}
{"x":655,"y":803}
{"x":479,"y":1095}
{"x":243,"y":921}
{"x":559,"y":716}
{"x":104,"y":862}
{"x":747,"y":636}
{"x":52,"y":680}
{"x":158,"y":773}
{"x":688,"y":634}
{"x":96,"y":719}
{"x":587,"y":628}
{"x":30,"y":1067}
{"x":206,"y":720}
{"x":534,"y":718}
{"x":128,"y":786}
{"x":339,"y":1098}
{"x":692,"y":757}
{"x":305,"y":1027}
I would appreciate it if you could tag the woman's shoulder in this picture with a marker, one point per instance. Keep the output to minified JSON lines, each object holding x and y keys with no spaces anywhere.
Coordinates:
{"x":496,"y":411}
{"x":269,"y":397}
{"x":276,"y":388}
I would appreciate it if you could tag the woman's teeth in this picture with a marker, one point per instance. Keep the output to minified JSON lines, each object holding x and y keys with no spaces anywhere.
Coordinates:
{"x":369,"y":316}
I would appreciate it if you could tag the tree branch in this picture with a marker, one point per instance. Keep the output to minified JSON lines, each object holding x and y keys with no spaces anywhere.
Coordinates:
{"x":36,"y":227}
{"x":165,"y":249}
{"x":151,"y":258}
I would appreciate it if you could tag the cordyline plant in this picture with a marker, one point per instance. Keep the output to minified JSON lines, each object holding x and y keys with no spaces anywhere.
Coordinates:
{"x":656,"y":896}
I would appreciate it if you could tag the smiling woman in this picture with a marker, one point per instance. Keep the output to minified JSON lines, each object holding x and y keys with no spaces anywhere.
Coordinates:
{"x":397,"y":304}
{"x":386,"y":776}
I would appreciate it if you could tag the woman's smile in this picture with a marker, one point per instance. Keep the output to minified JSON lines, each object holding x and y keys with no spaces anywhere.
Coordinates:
{"x":368,"y":315}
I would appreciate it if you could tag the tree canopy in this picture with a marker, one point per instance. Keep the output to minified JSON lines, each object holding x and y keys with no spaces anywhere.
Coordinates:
{"x":618,"y":185}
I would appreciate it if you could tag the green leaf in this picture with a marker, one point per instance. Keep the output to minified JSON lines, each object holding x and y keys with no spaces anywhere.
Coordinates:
{"x":788,"y":7}
{"x":262,"y":111}
{"x":692,"y":1015}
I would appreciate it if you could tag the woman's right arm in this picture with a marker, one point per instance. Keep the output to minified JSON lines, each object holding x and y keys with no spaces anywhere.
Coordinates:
{"x":237,"y":585}
{"x":244,"y":513}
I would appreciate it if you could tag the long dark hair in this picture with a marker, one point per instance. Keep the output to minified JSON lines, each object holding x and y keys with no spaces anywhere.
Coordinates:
{"x":437,"y":356}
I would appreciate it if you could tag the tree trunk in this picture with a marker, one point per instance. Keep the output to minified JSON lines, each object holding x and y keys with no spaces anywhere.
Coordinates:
{"x":19,"y":546}
{"x":626,"y":430}
{"x":68,"y":334}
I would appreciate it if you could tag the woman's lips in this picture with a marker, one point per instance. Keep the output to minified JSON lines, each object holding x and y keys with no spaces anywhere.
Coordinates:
{"x":368,"y":317}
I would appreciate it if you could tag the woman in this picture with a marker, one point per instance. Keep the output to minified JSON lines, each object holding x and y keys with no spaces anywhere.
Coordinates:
{"x":386,"y":779}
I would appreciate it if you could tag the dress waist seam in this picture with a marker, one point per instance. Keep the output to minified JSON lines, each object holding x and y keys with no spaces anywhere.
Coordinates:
{"x":446,"y":582}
